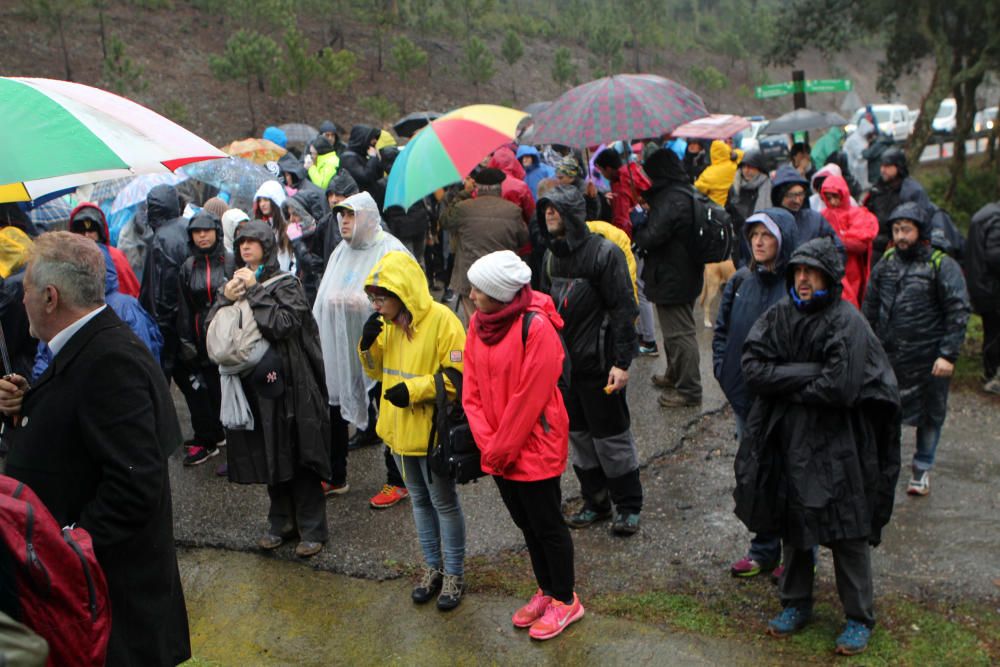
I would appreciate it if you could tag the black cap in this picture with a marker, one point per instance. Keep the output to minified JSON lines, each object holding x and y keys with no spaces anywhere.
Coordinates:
{"x":489,"y":176}
{"x":755,"y":159}
{"x":268,"y":378}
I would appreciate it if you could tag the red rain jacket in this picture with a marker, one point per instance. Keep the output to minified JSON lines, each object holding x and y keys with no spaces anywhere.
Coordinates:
{"x":513,"y":188}
{"x":857,"y":227}
{"x":631,"y":181}
{"x":515,"y":409}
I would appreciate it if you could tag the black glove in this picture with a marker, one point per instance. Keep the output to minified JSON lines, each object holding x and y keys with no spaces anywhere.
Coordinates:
{"x":398,"y":395}
{"x":371,"y":330}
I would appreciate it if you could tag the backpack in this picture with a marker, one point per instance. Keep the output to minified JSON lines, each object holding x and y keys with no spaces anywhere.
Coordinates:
{"x":233,"y":332}
{"x":564,"y":378}
{"x":59,"y":586}
{"x":452,"y":452}
{"x":714,"y":237}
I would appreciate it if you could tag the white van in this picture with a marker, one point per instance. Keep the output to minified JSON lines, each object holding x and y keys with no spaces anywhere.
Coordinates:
{"x":893,"y":119}
{"x":946,"y":116}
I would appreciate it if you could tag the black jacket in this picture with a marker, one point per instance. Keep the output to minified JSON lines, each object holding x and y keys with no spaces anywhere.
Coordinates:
{"x":673,"y":272}
{"x":412,"y":223}
{"x":201,"y":276}
{"x":819,"y":459}
{"x":310,"y":195}
{"x":873,"y":154}
{"x":883,"y":200}
{"x":14,"y":318}
{"x":365,"y":170}
{"x":918,"y":307}
{"x":98,"y":427}
{"x":168,"y":249}
{"x":982,"y":259}
{"x":588,"y":279}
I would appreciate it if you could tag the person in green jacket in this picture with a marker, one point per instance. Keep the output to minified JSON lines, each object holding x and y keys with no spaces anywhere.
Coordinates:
{"x":325,"y":164}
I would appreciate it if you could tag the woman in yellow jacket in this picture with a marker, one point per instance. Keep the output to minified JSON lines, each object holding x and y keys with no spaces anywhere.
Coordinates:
{"x":404,"y":343}
{"x":718,"y":177}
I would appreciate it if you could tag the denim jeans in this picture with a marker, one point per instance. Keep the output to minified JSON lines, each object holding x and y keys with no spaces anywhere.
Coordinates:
{"x":927,"y":442}
{"x":436,"y":513}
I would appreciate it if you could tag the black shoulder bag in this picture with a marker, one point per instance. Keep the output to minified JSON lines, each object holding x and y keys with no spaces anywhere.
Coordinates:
{"x":452,"y":452}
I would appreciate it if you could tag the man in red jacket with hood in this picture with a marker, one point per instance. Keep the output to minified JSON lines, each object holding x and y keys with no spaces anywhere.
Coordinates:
{"x":514,"y":188}
{"x":88,"y":219}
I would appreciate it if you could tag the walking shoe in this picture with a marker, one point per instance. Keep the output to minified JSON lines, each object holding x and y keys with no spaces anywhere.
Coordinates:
{"x":531,"y":612}
{"x":557,"y":617}
{"x":222,"y":470}
{"x":647,"y":348}
{"x":335,"y":489}
{"x":307,"y":549}
{"x":388,"y":496}
{"x":661,"y":381}
{"x":778,"y":571}
{"x":363,"y":439}
{"x":854,"y":638}
{"x":428,"y":586}
{"x":920,"y":483}
{"x":269,"y":541}
{"x":197,"y":454}
{"x":625,"y":524}
{"x":788,"y":622}
{"x":585,"y":517}
{"x":992,"y":386}
{"x":748,"y":567}
{"x":452,"y":589}
{"x":672,"y":399}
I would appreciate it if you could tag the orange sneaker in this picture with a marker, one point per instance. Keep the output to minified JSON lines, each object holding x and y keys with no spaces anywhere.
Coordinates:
{"x":531,"y":612}
{"x":389,"y":496}
{"x":557,"y":617}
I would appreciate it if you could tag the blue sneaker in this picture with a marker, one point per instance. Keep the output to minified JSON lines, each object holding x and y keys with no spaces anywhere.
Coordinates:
{"x":788,"y":622}
{"x":854,"y":638}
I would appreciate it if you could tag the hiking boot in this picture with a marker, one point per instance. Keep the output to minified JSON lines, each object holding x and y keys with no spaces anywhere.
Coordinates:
{"x":747,"y":567}
{"x":531,"y":612}
{"x":778,"y":571}
{"x":428,"y":586}
{"x":452,"y":589}
{"x":920,"y":483}
{"x":388,"y":496}
{"x":335,"y":489}
{"x":557,"y":617}
{"x":625,"y":524}
{"x":788,"y":622}
{"x":363,"y":439}
{"x":647,"y":348}
{"x":854,"y":638}
{"x":672,"y":399}
{"x":198,"y":454}
{"x":269,"y":541}
{"x":586,"y":517}
{"x":307,"y":549}
{"x":661,"y":381}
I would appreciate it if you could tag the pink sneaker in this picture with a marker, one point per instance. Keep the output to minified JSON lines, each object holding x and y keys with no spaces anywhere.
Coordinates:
{"x":531,"y":612}
{"x":557,"y":617}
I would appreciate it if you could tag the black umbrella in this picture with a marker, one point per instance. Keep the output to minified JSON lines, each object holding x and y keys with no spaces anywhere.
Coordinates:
{"x":803,"y":120}
{"x":408,"y":125}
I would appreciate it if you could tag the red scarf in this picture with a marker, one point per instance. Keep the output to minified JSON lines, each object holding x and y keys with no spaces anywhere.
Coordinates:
{"x":492,"y":327}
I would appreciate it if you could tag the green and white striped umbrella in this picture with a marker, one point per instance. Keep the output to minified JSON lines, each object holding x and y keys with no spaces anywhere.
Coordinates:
{"x":57,"y":135}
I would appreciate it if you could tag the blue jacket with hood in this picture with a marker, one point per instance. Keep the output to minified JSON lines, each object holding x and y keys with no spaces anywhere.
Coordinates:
{"x":537,"y":172}
{"x":127,"y":308}
{"x":810,"y":224}
{"x":749,"y":293}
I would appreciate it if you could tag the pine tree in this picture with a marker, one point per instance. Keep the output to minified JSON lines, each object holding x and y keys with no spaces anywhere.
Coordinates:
{"x":478,"y":65}
{"x":250,"y":57}
{"x":511,"y":51}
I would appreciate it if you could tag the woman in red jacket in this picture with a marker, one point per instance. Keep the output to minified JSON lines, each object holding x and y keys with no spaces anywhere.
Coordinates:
{"x":519,"y":421}
{"x":857,"y":227}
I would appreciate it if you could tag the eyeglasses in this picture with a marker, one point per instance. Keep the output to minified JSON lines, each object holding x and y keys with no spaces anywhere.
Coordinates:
{"x":377,"y":300}
{"x":796,"y":194}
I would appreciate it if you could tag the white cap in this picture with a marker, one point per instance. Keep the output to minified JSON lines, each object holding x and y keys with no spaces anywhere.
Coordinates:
{"x":499,"y":275}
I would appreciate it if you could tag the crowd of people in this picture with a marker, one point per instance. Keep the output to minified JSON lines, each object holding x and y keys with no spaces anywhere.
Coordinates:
{"x":322,"y":321}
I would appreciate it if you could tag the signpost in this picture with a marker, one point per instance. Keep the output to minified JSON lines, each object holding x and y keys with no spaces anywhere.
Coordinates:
{"x":809,"y":86}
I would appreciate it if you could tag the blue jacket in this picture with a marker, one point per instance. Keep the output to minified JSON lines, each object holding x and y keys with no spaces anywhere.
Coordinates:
{"x":537,"y":172}
{"x":128,"y":310}
{"x":746,"y":296}
{"x":811,"y":224}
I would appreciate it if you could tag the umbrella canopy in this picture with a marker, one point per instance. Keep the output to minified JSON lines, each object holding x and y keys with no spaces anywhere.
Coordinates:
{"x":237,"y":176}
{"x":256,"y":150}
{"x":624,"y":106}
{"x":537,"y":107}
{"x":136,"y":191}
{"x":408,"y":125}
{"x":57,"y":135}
{"x":716,"y":126}
{"x":53,"y":212}
{"x":803,"y":120}
{"x":298,"y":133}
{"x":447,"y":150}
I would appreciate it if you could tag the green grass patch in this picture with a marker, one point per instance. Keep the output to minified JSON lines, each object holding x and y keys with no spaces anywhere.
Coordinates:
{"x":678,"y":610}
{"x":969,"y":367}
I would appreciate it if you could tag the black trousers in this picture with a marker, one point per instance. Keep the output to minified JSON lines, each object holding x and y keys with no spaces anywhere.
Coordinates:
{"x":852,"y":566}
{"x":338,"y":447}
{"x":536,"y":508}
{"x":298,"y":506}
{"x":991,"y":344}
{"x":198,"y":396}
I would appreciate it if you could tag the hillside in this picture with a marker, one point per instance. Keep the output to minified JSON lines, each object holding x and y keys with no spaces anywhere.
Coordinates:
{"x":172,"y":45}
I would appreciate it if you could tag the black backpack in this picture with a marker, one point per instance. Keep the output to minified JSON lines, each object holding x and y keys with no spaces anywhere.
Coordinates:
{"x":452,"y":451}
{"x":713,"y":228}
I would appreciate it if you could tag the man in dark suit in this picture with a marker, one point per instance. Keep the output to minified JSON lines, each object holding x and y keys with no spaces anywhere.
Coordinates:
{"x":92,"y":437}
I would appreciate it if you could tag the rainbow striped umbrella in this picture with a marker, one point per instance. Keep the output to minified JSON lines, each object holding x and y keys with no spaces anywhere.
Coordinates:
{"x":57,"y":135}
{"x":445,"y":151}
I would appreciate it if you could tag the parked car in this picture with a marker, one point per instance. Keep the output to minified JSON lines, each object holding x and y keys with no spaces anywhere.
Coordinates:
{"x":774,"y":148}
{"x":946,"y":117}
{"x":893,"y":119}
{"x":985,"y":120}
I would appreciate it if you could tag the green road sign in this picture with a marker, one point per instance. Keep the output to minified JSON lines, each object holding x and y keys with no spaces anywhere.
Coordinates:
{"x":829,"y":85}
{"x":774,"y":90}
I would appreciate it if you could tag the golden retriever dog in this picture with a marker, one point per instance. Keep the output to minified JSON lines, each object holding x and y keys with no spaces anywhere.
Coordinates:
{"x":716,"y":276}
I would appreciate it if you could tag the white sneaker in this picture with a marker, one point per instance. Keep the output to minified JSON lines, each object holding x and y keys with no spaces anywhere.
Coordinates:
{"x":920,"y":483}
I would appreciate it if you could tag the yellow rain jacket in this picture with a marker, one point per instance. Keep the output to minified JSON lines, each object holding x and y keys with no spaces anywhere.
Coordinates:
{"x":437,"y":340}
{"x":620,"y":239}
{"x":718,"y":177}
{"x":384,"y":139}
{"x":14,"y":247}
{"x":324,"y":169}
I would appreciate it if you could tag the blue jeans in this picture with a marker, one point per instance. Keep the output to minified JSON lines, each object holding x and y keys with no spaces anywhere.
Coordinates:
{"x":436,"y":513}
{"x":927,"y":442}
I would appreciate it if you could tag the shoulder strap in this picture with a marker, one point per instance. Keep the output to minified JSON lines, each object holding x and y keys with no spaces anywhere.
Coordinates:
{"x":936,"y":258}
{"x":526,"y":325}
{"x":889,"y":252}
{"x":274,"y":279}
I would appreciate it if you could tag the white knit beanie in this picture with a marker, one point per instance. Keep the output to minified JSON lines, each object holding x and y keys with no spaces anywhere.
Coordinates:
{"x":500,"y":275}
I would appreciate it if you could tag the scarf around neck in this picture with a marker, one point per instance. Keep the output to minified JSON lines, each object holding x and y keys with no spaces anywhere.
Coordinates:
{"x":492,"y":327}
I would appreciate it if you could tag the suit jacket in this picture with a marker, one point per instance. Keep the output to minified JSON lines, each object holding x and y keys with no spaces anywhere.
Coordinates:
{"x":93,"y":440}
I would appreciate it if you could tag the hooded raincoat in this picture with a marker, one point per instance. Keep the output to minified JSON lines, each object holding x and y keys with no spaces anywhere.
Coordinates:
{"x":810,"y":223}
{"x":717,"y":177}
{"x":856,"y":227}
{"x":128,"y":283}
{"x":201,"y":276}
{"x":363,"y":169}
{"x":342,"y":307}
{"x":513,"y":188}
{"x":819,"y":459}
{"x":827,"y":145}
{"x":434,"y":339}
{"x":538,"y":171}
